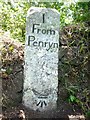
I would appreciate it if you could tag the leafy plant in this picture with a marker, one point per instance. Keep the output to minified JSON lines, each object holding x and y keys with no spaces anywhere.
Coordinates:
{"x":13,"y":15}
{"x":72,"y":98}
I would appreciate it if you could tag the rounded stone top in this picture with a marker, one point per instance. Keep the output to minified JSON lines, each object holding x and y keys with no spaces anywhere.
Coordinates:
{"x":33,"y":10}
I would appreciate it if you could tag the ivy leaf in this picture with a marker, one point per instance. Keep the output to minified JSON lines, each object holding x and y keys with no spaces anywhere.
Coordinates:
{"x":9,"y":71}
{"x":72,"y":98}
{"x":88,"y":114}
{"x":11,"y":48}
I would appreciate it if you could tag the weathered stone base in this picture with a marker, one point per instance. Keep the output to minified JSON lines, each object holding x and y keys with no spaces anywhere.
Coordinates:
{"x":40,"y":103}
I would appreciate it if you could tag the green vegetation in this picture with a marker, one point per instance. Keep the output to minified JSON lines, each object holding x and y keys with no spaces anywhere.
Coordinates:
{"x":75,"y":64}
{"x":13,"y":15}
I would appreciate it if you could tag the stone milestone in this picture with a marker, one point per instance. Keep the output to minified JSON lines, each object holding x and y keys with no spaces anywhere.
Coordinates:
{"x":41,"y":59}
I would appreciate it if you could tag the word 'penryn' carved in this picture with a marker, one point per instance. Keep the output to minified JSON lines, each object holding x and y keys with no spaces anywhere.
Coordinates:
{"x":48,"y":45}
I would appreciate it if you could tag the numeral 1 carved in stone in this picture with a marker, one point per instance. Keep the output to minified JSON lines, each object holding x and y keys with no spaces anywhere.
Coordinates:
{"x":43,"y":18}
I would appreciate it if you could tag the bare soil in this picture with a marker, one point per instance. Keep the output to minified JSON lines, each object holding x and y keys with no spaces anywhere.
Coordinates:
{"x":12,"y":87}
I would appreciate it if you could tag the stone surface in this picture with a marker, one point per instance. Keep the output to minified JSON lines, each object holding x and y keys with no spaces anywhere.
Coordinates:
{"x":41,"y":59}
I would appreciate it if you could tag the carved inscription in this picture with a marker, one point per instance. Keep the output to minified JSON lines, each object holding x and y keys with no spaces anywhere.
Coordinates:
{"x":43,"y":18}
{"x":41,"y":103}
{"x":36,"y":29}
{"x":35,"y":43}
{"x":32,"y":40}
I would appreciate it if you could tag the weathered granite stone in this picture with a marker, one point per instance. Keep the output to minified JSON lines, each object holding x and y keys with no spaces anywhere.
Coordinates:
{"x":41,"y":59}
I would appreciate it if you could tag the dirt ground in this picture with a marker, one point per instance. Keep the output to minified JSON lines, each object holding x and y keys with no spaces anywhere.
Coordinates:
{"x":12,"y":87}
{"x":62,"y":112}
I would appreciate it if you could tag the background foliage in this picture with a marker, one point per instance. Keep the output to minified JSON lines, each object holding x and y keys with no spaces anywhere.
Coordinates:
{"x":13,"y":15}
